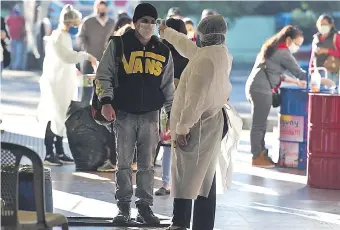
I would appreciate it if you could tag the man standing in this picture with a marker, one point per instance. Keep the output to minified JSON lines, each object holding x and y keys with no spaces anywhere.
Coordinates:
{"x":146,"y":84}
{"x":17,"y":32}
{"x":93,"y":37}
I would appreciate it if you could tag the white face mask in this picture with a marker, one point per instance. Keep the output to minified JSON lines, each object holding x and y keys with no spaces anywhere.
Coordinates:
{"x":293,"y":48}
{"x":324,"y":29}
{"x":146,"y":30}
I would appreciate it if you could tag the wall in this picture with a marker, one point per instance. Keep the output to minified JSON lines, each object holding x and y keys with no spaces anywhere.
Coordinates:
{"x":246,"y":36}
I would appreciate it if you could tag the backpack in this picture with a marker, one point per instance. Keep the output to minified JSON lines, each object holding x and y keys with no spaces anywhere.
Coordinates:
{"x":96,"y":106}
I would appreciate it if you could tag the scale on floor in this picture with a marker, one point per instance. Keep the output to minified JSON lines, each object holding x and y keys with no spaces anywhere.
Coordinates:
{"x":107,"y":222}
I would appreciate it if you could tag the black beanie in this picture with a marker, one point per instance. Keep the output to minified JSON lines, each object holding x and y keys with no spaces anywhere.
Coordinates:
{"x":144,"y":9}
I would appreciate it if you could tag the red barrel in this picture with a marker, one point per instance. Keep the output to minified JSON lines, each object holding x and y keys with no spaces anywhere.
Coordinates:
{"x":323,"y":145}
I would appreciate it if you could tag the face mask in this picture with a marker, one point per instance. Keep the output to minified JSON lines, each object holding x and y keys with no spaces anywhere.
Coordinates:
{"x":324,"y":29}
{"x":102,"y":14}
{"x":293,"y":48}
{"x":73,"y":30}
{"x":146,"y":30}
{"x":16,"y":12}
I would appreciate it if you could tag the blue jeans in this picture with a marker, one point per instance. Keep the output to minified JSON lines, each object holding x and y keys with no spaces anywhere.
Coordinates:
{"x":139,"y":130}
{"x":18,"y":55}
{"x":166,"y":165}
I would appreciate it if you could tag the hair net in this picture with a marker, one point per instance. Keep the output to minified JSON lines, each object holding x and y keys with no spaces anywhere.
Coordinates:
{"x":212,"y":30}
{"x":69,"y":14}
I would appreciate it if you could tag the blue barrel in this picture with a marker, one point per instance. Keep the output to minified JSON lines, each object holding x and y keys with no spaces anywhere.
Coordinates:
{"x":26,"y":190}
{"x":293,"y":123}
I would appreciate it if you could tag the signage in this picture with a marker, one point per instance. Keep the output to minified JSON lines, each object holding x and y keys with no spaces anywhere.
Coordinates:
{"x":289,"y":154}
{"x":291,"y":128}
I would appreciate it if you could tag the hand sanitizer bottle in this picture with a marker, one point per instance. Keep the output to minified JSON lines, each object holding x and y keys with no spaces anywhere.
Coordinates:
{"x":315,"y":82}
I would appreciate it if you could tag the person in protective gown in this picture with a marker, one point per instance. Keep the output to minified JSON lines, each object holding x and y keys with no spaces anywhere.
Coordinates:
{"x":197,"y":122}
{"x":59,"y":84}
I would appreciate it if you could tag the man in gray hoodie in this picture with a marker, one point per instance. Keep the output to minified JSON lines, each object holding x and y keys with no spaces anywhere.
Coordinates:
{"x":145,"y":85}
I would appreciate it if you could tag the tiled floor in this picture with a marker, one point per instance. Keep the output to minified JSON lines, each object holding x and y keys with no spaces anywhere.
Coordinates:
{"x":259,"y":198}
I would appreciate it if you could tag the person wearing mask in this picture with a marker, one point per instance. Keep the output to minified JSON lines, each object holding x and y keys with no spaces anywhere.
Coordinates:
{"x":180,"y":63}
{"x":123,"y":24}
{"x":94,"y":34}
{"x":325,"y":43}
{"x":174,"y":12}
{"x":146,"y":84}
{"x":59,"y":83}
{"x":197,"y":122}
{"x":17,"y":32}
{"x":275,"y":58}
{"x":190,"y":26}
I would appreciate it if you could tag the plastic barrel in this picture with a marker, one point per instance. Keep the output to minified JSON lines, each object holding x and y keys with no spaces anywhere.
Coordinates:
{"x":324,"y":141}
{"x":293,"y":127}
{"x":26,"y":190}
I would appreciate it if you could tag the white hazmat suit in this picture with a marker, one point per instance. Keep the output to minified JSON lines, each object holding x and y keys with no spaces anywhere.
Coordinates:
{"x":202,"y":92}
{"x":58,"y":83}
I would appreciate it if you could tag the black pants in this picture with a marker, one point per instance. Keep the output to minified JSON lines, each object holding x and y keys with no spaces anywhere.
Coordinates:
{"x":204,"y":211}
{"x":49,"y":141}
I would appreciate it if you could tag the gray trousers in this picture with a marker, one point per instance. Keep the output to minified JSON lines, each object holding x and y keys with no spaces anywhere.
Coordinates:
{"x":140,"y":131}
{"x":261,"y":104}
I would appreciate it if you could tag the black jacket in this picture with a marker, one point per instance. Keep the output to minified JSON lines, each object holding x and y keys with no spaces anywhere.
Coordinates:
{"x":145,"y":76}
{"x":180,"y":62}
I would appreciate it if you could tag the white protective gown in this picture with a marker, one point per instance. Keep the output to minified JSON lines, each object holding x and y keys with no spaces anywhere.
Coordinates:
{"x":58,"y":83}
{"x":202,"y":92}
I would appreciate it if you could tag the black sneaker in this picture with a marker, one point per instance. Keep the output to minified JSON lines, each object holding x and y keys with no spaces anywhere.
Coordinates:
{"x":51,"y":159}
{"x":124,"y":214}
{"x":145,"y":215}
{"x":162,"y":192}
{"x":65,"y":159}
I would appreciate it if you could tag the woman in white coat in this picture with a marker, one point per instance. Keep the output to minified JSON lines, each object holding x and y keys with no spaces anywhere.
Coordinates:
{"x":197,"y":122}
{"x":59,"y":84}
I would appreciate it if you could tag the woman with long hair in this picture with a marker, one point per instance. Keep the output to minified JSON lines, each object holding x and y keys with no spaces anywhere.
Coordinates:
{"x":326,"y":43}
{"x":275,"y":58}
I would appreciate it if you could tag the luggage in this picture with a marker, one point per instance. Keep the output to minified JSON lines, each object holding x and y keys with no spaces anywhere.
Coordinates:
{"x":89,"y":142}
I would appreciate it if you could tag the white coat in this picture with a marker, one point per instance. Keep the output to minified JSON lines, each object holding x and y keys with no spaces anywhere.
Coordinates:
{"x":202,"y":92}
{"x":58,"y":83}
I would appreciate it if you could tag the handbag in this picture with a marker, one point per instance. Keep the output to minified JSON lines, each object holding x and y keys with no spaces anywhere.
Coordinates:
{"x":276,"y":102}
{"x":96,"y":106}
{"x":332,"y":64}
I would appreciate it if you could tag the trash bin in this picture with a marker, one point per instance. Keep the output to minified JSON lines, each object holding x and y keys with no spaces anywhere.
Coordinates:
{"x":293,"y":121}
{"x":86,"y":88}
{"x":324,"y":141}
{"x":26,"y":190}
{"x":293,"y":127}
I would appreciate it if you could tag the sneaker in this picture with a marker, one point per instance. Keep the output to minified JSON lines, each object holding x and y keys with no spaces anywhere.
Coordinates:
{"x":134,"y":167}
{"x":263,"y":161}
{"x":52,"y":160}
{"x":107,"y":167}
{"x":65,"y":159}
{"x":124,"y":214}
{"x":145,"y":215}
{"x":162,"y":192}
